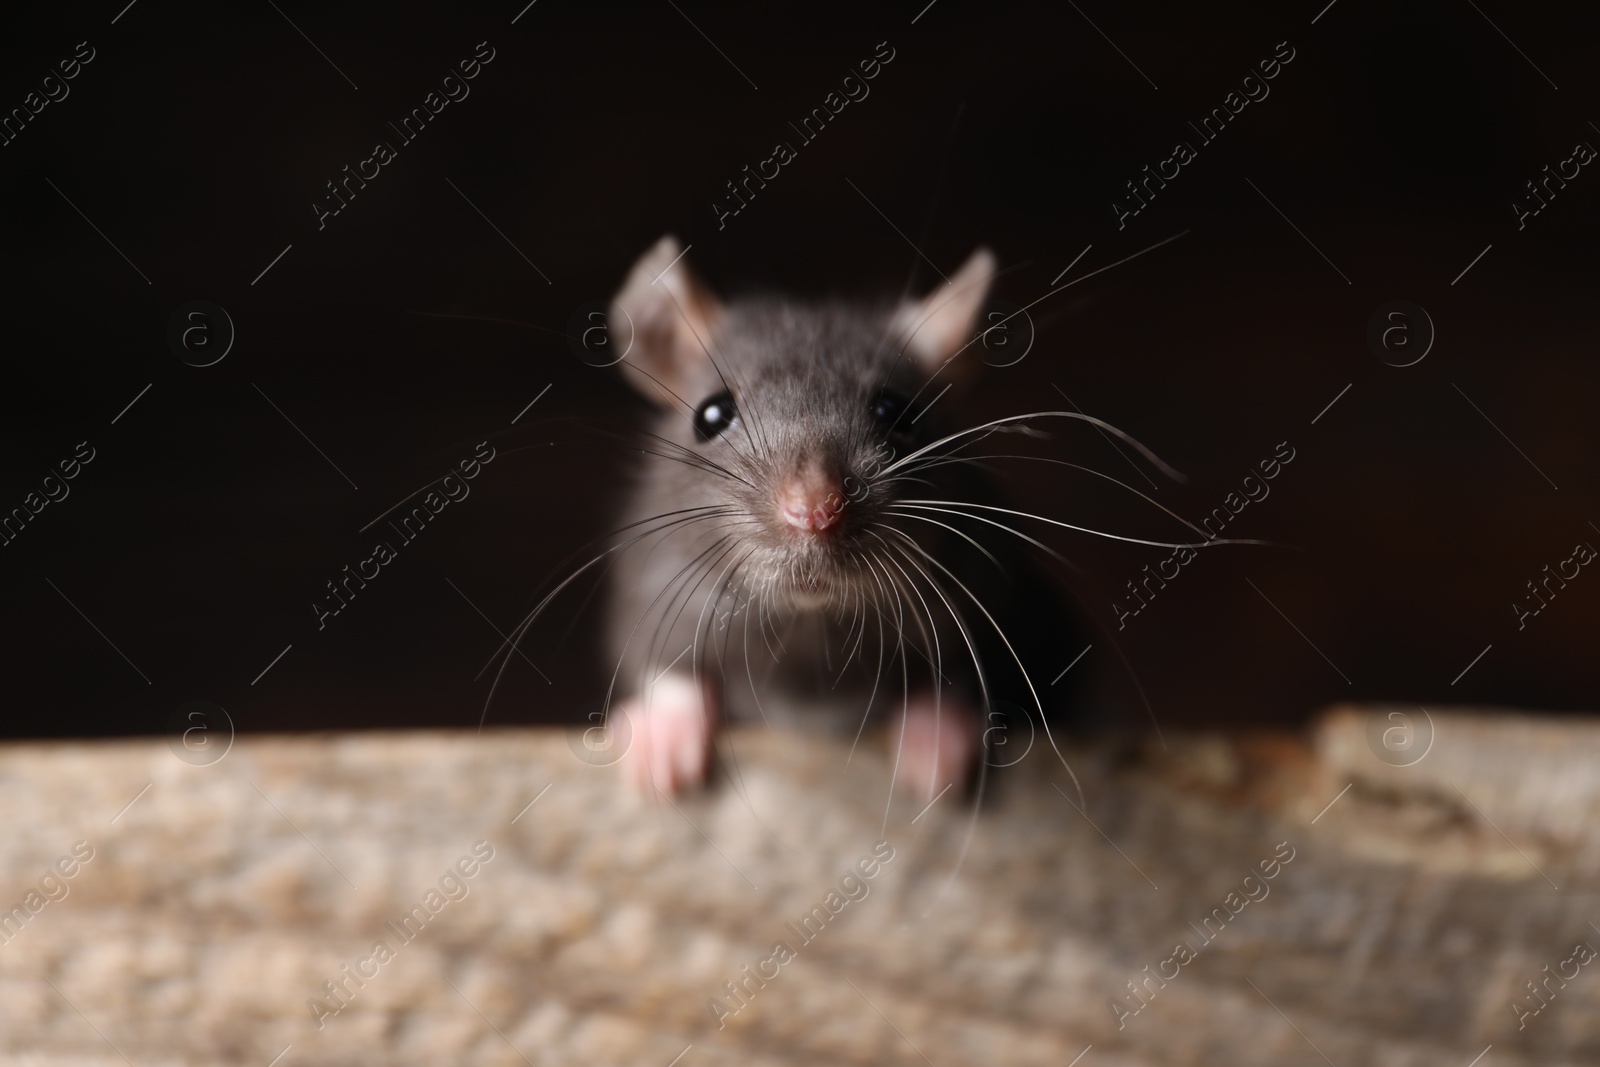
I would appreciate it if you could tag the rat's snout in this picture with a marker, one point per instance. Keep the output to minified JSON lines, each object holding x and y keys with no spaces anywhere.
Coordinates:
{"x":812,"y":500}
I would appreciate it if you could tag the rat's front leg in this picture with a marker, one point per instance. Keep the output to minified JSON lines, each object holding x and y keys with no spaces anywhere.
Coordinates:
{"x":939,"y":744}
{"x":670,"y":728}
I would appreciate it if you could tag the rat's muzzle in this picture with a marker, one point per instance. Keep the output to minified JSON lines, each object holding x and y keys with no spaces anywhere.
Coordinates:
{"x":811,"y":501}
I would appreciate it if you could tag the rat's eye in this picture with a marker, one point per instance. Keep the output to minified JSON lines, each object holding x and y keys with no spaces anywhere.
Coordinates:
{"x":715,"y":416}
{"x":887,"y":407}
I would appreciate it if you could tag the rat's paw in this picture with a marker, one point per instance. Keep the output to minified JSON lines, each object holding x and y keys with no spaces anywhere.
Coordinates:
{"x":670,"y":729}
{"x":940,"y":745}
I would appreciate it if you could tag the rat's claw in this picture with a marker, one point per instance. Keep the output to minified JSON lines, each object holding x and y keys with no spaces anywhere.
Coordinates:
{"x":670,"y":728}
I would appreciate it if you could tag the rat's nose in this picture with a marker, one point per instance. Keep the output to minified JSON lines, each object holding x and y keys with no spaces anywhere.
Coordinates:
{"x":811,"y":501}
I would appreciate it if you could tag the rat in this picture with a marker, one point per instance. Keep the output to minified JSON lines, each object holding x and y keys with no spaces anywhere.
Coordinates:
{"x":806,"y":543}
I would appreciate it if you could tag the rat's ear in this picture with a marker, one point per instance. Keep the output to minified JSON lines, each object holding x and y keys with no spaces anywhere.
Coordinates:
{"x":937,"y":327}
{"x":663,"y":319}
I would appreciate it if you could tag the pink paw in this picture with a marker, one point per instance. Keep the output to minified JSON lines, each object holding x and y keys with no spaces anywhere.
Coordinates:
{"x":939,"y":745}
{"x":670,"y":735}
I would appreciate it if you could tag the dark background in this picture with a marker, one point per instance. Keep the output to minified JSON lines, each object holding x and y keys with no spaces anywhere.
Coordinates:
{"x":198,"y":138}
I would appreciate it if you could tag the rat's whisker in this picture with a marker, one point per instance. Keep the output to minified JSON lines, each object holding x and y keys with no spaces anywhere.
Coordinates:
{"x":583,"y":605}
{"x":959,"y":533}
{"x":691,"y":458}
{"x":996,"y":424}
{"x":1209,"y":542}
{"x":752,"y":424}
{"x":718,"y":589}
{"x":867,"y":559}
{"x":896,"y":600}
{"x":930,"y":462}
{"x":1036,"y":543}
{"x":693,"y":565}
{"x":661,"y":385}
{"x":790,"y":622}
{"x":859,"y":614}
{"x":846,"y":598}
{"x":937,"y":662}
{"x":983,"y":683}
{"x":692,"y":590}
{"x":755,"y":690}
{"x":722,"y":663}
{"x":681,"y":453}
{"x":766,"y":618}
{"x":664,"y":629}
{"x":956,"y":292}
{"x":684,"y":515}
{"x":728,"y":521}
{"x":933,"y":584}
{"x":669,"y":588}
{"x":896,"y":621}
{"x":736,"y":584}
{"x":649,"y":675}
{"x":695,"y":463}
{"x":1087,"y":470}
{"x":1000,"y":633}
{"x":905,"y":713}
{"x":1133,"y":676}
{"x":510,"y":642}
{"x":711,"y":595}
{"x":1057,"y":289}
{"x":902,"y":479}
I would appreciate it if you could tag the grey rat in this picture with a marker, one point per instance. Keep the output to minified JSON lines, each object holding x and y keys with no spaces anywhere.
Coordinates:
{"x":790,"y":558}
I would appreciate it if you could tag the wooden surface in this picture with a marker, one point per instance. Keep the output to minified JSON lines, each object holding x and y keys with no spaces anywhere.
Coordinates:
{"x":1401,"y":931}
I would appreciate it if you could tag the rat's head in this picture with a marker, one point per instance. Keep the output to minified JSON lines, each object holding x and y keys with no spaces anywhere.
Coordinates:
{"x":790,"y":418}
